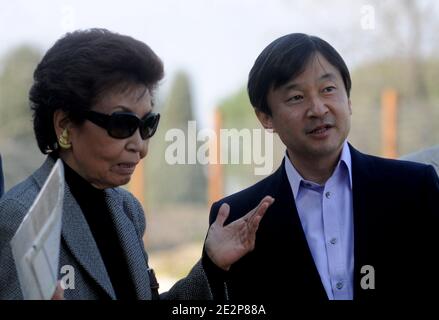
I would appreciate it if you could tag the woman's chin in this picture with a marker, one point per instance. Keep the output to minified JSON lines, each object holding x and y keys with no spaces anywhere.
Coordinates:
{"x":113,"y":183}
{"x":123,"y":181}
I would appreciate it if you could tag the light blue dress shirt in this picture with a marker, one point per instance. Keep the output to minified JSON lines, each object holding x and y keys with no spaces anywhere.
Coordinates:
{"x":326,"y":215}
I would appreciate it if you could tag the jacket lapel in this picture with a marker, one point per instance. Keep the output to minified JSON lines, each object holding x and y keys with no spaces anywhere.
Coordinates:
{"x":77,"y":234}
{"x":285,"y":226}
{"x":366,"y":199}
{"x":365,"y":202}
{"x":131,"y":243}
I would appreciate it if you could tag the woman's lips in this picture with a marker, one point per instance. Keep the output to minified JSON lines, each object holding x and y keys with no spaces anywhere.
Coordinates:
{"x":125,"y":168}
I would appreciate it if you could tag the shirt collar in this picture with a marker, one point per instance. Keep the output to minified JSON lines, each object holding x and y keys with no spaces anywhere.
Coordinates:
{"x":295,"y":178}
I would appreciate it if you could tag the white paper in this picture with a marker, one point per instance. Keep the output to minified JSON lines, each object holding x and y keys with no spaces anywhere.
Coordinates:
{"x":36,"y":244}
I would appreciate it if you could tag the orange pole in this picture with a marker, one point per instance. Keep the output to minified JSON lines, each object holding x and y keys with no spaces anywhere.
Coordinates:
{"x":389,"y":102}
{"x":215,"y":172}
{"x":137,"y":185}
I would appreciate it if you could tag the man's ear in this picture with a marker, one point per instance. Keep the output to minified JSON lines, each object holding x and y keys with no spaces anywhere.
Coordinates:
{"x":60,"y":121}
{"x":265,"y":119}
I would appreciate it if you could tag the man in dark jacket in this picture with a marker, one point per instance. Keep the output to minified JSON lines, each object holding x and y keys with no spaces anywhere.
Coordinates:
{"x":344,"y":225}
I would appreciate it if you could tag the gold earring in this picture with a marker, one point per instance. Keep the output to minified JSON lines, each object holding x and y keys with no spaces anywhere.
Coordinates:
{"x":63,"y":140}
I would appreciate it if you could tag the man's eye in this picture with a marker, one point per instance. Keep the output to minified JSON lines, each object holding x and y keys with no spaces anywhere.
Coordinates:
{"x":329,"y":89}
{"x":295,"y":98}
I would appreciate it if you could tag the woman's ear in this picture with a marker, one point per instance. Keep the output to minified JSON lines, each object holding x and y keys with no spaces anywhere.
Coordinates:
{"x":60,"y":122}
{"x":265,"y":119}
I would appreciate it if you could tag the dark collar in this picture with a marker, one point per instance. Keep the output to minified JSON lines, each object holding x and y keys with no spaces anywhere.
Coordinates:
{"x":80,"y":187}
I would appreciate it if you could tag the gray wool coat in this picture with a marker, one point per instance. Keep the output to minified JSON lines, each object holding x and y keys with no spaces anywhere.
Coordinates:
{"x":79,"y":250}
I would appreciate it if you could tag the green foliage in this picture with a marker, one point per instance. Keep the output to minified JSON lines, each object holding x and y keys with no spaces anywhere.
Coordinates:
{"x":418,"y":109}
{"x":237,"y":112}
{"x":15,"y":81}
{"x":179,"y":183}
{"x":370,"y":79}
{"x":17,"y":143}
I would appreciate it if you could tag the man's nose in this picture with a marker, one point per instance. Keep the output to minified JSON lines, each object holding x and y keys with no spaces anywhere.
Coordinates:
{"x":317,"y":107}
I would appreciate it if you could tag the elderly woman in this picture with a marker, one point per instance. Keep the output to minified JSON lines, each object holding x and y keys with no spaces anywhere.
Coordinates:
{"x":92,"y":108}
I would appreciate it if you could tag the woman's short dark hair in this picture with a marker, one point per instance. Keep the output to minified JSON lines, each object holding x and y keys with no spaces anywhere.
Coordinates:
{"x":79,"y":68}
{"x":284,"y":59}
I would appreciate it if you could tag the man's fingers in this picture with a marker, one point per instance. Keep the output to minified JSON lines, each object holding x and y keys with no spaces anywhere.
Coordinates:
{"x":223,"y":213}
{"x":265,"y":203}
{"x":257,"y":217}
{"x":260,"y":209}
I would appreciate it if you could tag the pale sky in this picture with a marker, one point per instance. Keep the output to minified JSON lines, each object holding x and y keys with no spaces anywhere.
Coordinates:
{"x":215,"y":41}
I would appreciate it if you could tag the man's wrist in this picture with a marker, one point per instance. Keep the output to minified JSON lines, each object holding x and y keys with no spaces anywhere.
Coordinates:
{"x":213,"y":269}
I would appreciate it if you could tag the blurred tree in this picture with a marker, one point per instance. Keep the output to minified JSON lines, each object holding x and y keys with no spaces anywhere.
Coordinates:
{"x":238,"y":113}
{"x":418,"y":116}
{"x":407,"y":29}
{"x":15,"y":80}
{"x":178,"y":183}
{"x":17,"y":144}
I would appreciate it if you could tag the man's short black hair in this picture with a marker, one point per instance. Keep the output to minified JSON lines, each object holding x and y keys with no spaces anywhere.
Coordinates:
{"x":286,"y":58}
{"x":79,"y":68}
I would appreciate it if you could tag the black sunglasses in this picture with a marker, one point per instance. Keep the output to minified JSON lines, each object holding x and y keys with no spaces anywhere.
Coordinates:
{"x":121,"y":125}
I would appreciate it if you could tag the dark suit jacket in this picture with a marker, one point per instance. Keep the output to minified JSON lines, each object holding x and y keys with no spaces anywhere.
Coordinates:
{"x":396,"y":223}
{"x":2,"y":183}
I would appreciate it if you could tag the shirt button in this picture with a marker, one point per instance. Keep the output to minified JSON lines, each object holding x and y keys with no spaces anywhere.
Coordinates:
{"x":334,"y":240}
{"x":328,"y":195}
{"x":339,"y":285}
